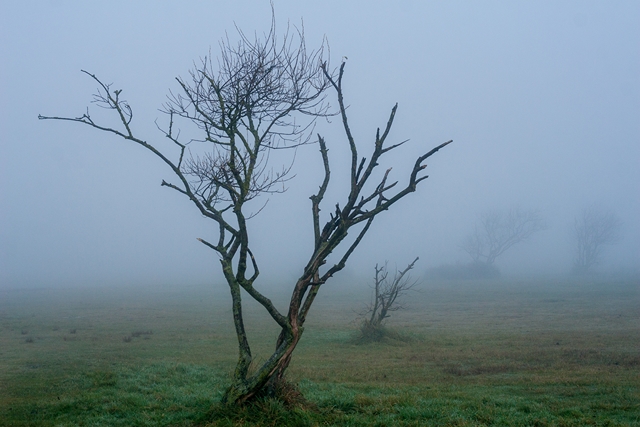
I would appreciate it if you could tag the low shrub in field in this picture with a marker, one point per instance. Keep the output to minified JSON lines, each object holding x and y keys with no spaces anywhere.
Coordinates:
{"x":370,"y":332}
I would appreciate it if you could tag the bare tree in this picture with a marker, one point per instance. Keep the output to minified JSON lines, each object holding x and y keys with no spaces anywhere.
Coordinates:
{"x":249,"y":102}
{"x":496,"y":232}
{"x":592,"y":230}
{"x":385,"y":299}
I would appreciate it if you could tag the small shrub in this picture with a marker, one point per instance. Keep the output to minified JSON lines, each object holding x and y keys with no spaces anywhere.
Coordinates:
{"x":385,"y":300}
{"x":370,"y":333}
{"x":29,"y":340}
{"x":126,"y":339}
{"x":72,"y":331}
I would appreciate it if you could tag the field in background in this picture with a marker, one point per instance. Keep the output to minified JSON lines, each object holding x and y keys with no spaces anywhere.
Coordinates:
{"x":475,"y":353}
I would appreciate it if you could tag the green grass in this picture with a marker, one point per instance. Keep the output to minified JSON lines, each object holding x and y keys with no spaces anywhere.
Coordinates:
{"x":488,"y":353}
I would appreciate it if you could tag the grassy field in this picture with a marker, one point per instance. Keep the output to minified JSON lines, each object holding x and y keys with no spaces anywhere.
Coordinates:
{"x":546,"y":353}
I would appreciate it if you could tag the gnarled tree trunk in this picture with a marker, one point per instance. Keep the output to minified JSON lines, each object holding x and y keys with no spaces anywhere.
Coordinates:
{"x":244,"y":106}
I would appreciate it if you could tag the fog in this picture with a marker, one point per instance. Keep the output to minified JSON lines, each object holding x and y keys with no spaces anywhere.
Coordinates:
{"x":542,"y":100}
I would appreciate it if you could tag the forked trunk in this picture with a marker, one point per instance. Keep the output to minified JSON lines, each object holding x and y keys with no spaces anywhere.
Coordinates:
{"x":264,"y":381}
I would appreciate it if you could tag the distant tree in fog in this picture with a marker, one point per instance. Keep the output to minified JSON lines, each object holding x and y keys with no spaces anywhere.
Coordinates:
{"x":261,"y":95}
{"x":386,"y":292}
{"x":593,"y":229}
{"x":495,"y":232}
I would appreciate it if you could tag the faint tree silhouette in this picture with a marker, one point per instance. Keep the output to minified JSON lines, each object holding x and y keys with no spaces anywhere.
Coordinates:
{"x":593,"y":229}
{"x":496,"y":232}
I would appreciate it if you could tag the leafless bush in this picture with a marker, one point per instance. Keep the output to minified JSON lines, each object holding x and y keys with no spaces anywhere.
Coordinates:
{"x":385,"y":300}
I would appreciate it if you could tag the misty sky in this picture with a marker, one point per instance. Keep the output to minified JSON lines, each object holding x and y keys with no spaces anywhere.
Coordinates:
{"x":542,"y":100}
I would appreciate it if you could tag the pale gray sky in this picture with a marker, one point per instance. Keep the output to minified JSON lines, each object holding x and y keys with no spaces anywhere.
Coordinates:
{"x":542,"y":100}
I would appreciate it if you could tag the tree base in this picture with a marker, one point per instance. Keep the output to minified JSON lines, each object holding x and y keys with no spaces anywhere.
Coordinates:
{"x":278,"y":389}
